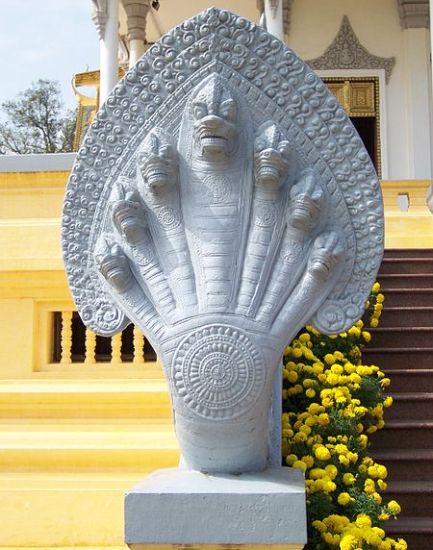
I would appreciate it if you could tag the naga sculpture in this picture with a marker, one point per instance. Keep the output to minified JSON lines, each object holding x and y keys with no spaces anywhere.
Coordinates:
{"x":221,"y":201}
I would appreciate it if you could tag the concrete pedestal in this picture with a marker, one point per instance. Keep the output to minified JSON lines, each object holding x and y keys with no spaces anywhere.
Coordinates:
{"x":173,"y":508}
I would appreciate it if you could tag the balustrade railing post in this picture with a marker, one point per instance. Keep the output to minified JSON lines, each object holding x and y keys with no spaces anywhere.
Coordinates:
{"x":66,"y":338}
{"x":116,"y":348}
{"x":138,"y":346}
{"x":90,"y":349}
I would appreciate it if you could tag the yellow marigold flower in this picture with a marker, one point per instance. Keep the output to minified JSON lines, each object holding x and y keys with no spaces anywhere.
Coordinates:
{"x":382,"y":484}
{"x":309,"y":460}
{"x":315,"y":408}
{"x":369,"y":486}
{"x":349,"y":479}
{"x":362,"y":520}
{"x":366,"y":335}
{"x":401,"y":545}
{"x":329,"y":359}
{"x":318,"y":368}
{"x":316,"y":473}
{"x":300,"y":465}
{"x":324,"y":419}
{"x":383,"y":517}
{"x":319,"y":525}
{"x":375,"y":288}
{"x":388,"y":402}
{"x":330,"y":486}
{"x":374,"y":323}
{"x":297,"y":353}
{"x":380,"y":298}
{"x":337,"y":369}
{"x":310,"y":393}
{"x":331,"y":470}
{"x":394,"y":507}
{"x":354,"y":331}
{"x":322,"y":453}
{"x":344,"y":499}
{"x":349,"y":542}
{"x":291,"y":459}
{"x":385,"y":382}
{"x":377,"y":498}
{"x":292,"y":376}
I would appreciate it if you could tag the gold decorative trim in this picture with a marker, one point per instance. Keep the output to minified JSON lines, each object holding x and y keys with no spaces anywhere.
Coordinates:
{"x":359,"y":97}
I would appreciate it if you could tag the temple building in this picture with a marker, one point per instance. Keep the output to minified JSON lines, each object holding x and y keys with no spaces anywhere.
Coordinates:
{"x":84,"y":418}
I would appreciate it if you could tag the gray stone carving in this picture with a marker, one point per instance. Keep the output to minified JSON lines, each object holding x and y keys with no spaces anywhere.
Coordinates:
{"x":346,"y":52}
{"x":220,"y":201}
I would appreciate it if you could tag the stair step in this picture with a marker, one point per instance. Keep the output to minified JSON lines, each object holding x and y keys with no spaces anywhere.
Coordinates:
{"x":419,"y":253}
{"x":405,"y":280}
{"x":84,"y":399}
{"x":58,"y":509}
{"x":406,"y":265}
{"x":407,"y":317}
{"x":410,"y":380}
{"x":409,"y":297}
{"x":414,"y":497}
{"x":413,"y":405}
{"x":415,"y":464}
{"x":407,"y":337}
{"x":391,"y":358}
{"x":60,"y":448}
{"x":416,"y":531}
{"x":414,"y":433}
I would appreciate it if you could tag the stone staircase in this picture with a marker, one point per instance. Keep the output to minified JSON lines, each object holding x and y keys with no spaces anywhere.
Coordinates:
{"x":403,"y":347}
{"x":69,"y":449}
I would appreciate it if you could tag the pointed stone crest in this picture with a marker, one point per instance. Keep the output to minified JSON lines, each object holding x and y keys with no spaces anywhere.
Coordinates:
{"x":347,"y":52}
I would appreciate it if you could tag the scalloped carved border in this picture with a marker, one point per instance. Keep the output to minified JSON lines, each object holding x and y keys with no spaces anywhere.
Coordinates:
{"x":281,"y":87}
{"x":347,"y":52}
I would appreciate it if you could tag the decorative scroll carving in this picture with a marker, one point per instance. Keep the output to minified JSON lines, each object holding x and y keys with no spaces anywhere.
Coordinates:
{"x":221,"y":201}
{"x":346,"y":52}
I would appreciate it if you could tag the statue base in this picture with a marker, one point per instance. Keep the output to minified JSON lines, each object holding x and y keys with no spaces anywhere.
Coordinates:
{"x":173,"y":508}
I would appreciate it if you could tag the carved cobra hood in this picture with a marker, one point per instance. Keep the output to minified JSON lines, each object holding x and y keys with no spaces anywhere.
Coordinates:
{"x":220,"y":159}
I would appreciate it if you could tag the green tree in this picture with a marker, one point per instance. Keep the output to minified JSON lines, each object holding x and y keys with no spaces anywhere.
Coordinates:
{"x":36,"y":121}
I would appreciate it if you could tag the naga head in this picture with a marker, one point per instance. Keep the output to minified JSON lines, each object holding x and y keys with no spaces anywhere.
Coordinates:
{"x":215,"y":114}
{"x":127,"y":214}
{"x":306,"y":201}
{"x":113,"y":265}
{"x":271,"y":156}
{"x":326,"y":253}
{"x":157,"y":162}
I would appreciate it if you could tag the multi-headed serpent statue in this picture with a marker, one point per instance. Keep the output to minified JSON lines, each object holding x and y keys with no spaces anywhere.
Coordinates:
{"x":220,"y":201}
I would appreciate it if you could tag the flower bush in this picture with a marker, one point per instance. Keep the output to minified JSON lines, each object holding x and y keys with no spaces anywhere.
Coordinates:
{"x":332,"y":402}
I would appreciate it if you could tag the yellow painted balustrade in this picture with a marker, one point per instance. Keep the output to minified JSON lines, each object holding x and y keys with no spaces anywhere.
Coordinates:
{"x":408,"y":221}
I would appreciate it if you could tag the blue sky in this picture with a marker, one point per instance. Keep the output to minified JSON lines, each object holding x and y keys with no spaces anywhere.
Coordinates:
{"x":45,"y":39}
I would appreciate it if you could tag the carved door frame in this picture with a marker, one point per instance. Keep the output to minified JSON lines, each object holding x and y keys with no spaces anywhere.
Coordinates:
{"x":379,"y":76}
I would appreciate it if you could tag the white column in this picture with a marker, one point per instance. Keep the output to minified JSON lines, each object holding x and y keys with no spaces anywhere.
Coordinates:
{"x":418,"y":102}
{"x":136,"y":50}
{"x":274,"y":18}
{"x":109,"y":51}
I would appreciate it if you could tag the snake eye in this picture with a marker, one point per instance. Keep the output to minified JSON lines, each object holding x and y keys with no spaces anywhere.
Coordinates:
{"x":199,"y":110}
{"x":228,"y":110}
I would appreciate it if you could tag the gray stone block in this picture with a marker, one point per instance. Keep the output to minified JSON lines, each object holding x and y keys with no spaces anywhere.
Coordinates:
{"x":176,"y":506}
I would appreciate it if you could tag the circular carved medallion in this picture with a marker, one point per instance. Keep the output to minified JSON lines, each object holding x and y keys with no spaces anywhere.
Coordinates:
{"x":218,"y":372}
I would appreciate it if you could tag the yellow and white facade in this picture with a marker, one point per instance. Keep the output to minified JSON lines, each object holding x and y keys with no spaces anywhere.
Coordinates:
{"x":75,"y":433}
